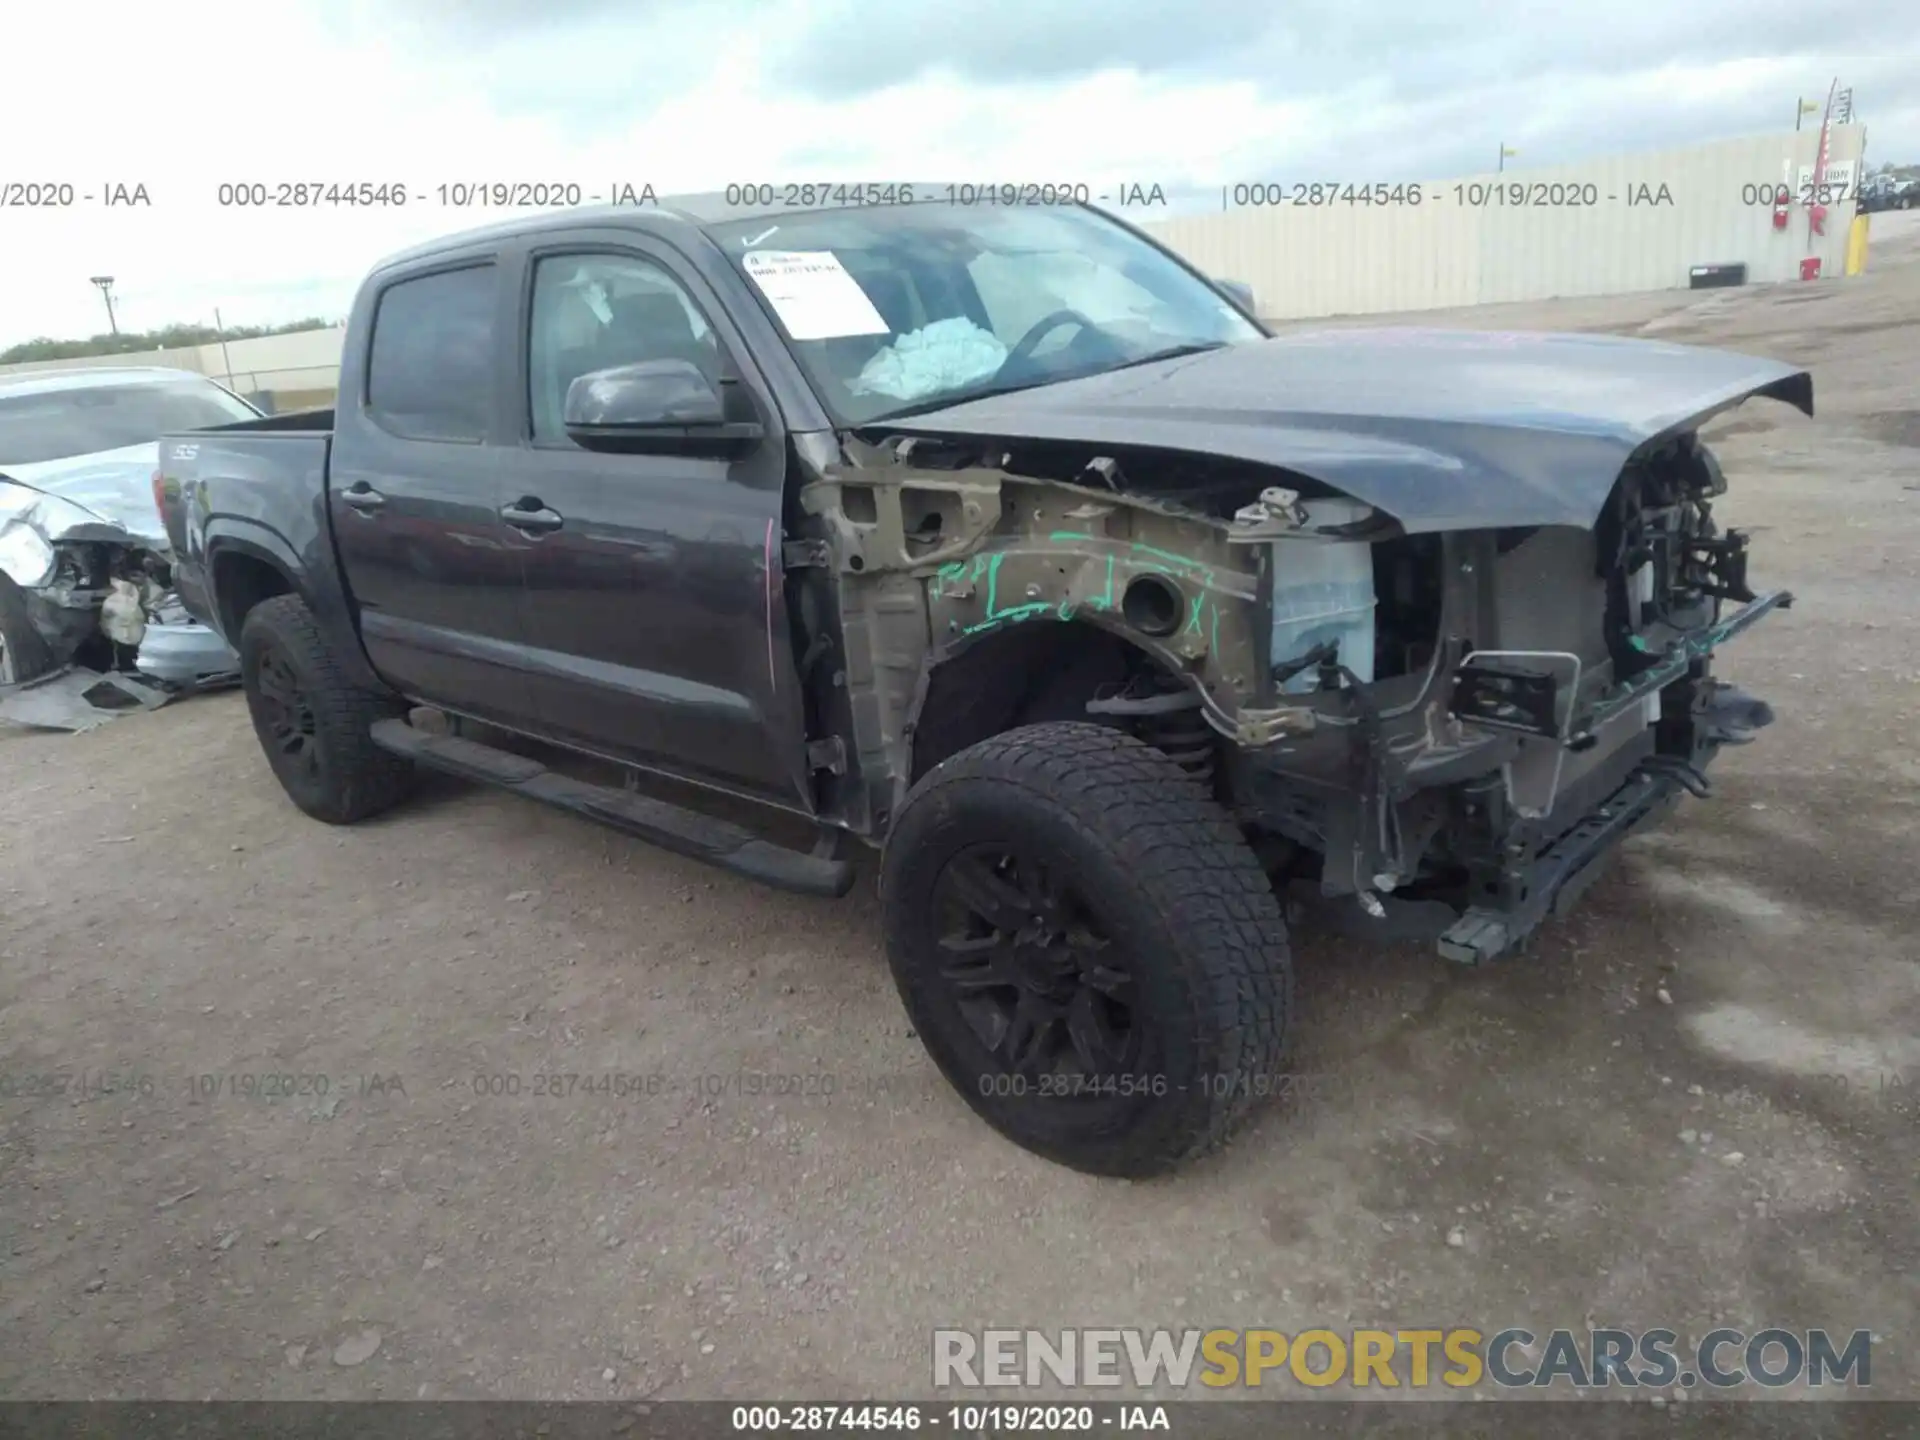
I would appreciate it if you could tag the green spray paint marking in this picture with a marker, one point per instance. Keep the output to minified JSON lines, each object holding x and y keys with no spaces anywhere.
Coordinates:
{"x":1017,"y":612}
{"x":995,"y":615}
{"x":953,"y":570}
{"x":1203,"y":613}
{"x":1184,"y":562}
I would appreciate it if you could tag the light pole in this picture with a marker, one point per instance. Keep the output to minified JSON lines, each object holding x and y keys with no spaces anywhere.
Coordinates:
{"x":226,"y":357}
{"x":105,"y":282}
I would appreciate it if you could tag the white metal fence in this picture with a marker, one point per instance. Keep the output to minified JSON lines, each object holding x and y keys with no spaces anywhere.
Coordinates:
{"x":1615,"y":226}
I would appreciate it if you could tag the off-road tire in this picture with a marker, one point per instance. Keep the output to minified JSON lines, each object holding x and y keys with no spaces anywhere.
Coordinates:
{"x":353,"y":778}
{"x":27,"y":654}
{"x":1172,"y":881}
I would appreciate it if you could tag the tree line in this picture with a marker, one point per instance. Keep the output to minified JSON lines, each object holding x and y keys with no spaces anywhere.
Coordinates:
{"x":130,"y":342}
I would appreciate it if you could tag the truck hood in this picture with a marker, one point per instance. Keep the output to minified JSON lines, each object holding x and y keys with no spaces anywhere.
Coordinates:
{"x":107,"y":496}
{"x":1441,"y":429}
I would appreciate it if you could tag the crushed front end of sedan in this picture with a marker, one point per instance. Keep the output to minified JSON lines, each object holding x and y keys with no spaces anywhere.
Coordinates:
{"x":86,"y":579}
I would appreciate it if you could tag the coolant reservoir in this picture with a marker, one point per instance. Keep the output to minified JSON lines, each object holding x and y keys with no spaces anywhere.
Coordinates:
{"x":1323,"y":590}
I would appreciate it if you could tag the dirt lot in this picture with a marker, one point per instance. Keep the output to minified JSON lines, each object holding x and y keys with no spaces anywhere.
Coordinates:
{"x":1697,"y":1102}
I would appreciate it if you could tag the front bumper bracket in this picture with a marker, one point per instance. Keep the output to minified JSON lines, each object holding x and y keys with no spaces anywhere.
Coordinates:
{"x":1560,"y":875}
{"x":1679,"y":656}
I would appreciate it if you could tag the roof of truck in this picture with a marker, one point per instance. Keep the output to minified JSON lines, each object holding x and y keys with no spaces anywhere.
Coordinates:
{"x":663,"y":216}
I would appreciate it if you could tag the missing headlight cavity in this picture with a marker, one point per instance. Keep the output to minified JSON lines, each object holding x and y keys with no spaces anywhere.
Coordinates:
{"x":1152,"y":604}
{"x":1407,"y":585}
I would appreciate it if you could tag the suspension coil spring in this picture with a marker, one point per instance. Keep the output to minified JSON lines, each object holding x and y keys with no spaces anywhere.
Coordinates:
{"x":1185,"y":738}
{"x":1166,"y":715}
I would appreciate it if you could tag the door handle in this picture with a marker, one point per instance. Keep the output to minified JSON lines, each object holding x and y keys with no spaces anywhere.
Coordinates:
{"x":363,"y":497}
{"x":530,"y":517}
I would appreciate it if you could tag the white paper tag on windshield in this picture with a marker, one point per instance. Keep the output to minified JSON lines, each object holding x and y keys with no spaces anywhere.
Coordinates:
{"x":814,"y":296}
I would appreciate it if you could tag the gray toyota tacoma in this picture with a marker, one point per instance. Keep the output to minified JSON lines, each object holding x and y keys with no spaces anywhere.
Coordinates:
{"x":999,"y":540}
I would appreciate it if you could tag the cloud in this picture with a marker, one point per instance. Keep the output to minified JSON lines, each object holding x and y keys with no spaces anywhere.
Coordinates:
{"x":693,"y":96}
{"x":855,"y":45}
{"x":1310,"y":46}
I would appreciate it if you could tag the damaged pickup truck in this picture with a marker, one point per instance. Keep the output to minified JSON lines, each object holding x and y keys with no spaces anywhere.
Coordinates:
{"x":1003,"y":540}
{"x":85,"y":573}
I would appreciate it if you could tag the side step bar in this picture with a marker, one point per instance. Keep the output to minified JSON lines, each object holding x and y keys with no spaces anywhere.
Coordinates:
{"x":686,"y":832}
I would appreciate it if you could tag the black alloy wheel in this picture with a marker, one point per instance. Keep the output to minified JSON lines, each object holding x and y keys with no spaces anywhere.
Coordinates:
{"x":287,"y":719}
{"x":1087,"y":947}
{"x":1032,"y":970}
{"x":313,"y":723}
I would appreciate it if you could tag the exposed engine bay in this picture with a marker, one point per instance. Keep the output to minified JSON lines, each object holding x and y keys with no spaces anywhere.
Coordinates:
{"x":1446,"y":727}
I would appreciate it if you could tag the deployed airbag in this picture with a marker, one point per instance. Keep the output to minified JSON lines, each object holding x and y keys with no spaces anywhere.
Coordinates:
{"x":936,"y":357}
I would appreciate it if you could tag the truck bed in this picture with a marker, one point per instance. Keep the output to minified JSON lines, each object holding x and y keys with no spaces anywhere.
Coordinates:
{"x":259,"y":481}
{"x":301,"y":421}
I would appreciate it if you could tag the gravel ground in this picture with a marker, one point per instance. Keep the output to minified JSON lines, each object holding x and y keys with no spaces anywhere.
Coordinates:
{"x":1696,"y":1102}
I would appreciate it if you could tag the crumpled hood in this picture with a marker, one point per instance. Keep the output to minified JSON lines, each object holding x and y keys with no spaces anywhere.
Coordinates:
{"x":111,"y":491}
{"x":1441,"y":429}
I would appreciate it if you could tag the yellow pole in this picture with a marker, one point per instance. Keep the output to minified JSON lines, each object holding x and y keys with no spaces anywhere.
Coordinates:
{"x":1857,"y":245}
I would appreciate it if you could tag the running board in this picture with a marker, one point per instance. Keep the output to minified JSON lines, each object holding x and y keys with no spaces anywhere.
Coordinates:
{"x":685,"y":832}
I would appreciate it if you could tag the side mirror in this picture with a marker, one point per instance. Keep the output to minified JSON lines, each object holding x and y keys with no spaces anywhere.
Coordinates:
{"x":1240,"y":292}
{"x":653,"y":406}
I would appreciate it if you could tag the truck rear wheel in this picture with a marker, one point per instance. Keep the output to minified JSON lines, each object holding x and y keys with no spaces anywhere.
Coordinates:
{"x":312,"y":723}
{"x":1087,"y":947}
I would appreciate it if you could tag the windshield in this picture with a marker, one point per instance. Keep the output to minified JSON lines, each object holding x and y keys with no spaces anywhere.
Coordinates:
{"x":901,"y":308}
{"x":57,"y":424}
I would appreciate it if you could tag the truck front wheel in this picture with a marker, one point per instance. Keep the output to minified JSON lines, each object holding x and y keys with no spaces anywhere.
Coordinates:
{"x":312,"y":722}
{"x":1087,"y":947}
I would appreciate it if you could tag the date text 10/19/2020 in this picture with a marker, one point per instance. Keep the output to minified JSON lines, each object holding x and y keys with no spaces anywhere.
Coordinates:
{"x":1467,"y":194}
{"x":470,"y":194}
{"x":87,"y":1083}
{"x":61,"y":194}
{"x":563,"y":194}
{"x":203,"y":1086}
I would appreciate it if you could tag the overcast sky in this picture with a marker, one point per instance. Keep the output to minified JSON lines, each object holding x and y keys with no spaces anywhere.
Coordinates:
{"x":694,"y":94}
